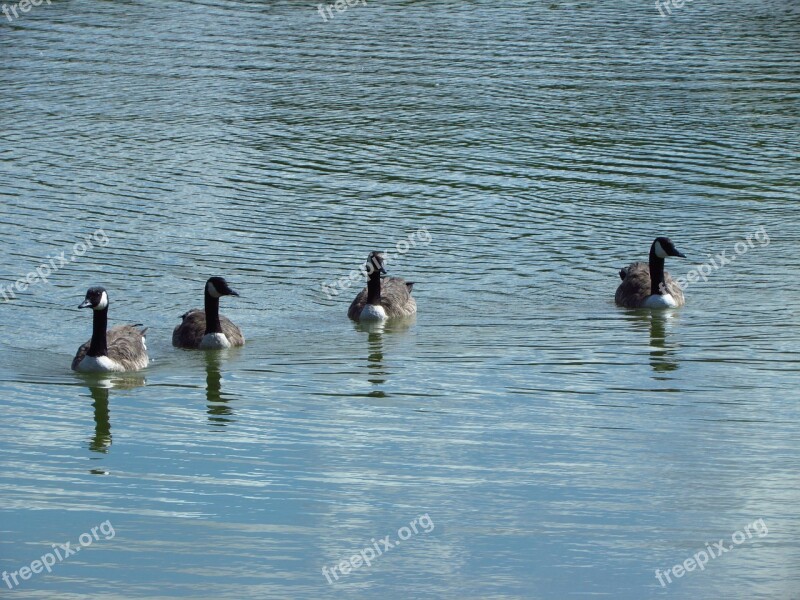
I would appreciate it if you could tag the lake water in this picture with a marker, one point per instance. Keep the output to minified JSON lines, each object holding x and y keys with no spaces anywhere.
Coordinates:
{"x":544,"y":443}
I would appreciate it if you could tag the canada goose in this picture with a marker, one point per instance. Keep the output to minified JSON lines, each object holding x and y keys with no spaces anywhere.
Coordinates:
{"x":649,"y":285}
{"x":206,"y":329}
{"x":382,"y":298}
{"x":122,"y":348}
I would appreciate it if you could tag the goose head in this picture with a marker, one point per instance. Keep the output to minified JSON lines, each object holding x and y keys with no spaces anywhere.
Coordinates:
{"x":375,"y":264}
{"x":216,"y":287}
{"x":663,"y":247}
{"x":96,"y":299}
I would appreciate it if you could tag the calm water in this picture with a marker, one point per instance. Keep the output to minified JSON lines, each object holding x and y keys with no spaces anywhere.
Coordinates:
{"x":559,"y":446}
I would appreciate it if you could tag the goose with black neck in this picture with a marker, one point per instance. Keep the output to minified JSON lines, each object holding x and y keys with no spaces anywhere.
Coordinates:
{"x":122,"y":348}
{"x":384,"y":297}
{"x":207,"y":329}
{"x":648,"y":285}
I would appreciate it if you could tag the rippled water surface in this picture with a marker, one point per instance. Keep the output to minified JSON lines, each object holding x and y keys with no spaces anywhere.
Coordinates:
{"x":544,"y":443}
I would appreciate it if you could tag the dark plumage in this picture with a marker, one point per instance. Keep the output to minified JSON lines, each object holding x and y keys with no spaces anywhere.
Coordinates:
{"x":635,"y":286}
{"x":648,"y":285}
{"x":122,"y":348}
{"x":189,"y":334}
{"x":391,"y":294}
{"x":207,"y":329}
{"x":125,"y":346}
{"x":396,"y":299}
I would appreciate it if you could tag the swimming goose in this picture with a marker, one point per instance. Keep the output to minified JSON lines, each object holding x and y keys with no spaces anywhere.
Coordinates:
{"x":206,"y":329}
{"x":649,"y":285}
{"x":382,"y":298}
{"x":122,"y":348}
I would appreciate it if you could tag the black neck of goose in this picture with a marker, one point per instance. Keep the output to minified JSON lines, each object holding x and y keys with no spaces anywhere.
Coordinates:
{"x":98,"y":345}
{"x":212,"y":314}
{"x":374,"y":288}
{"x":656,"y":272}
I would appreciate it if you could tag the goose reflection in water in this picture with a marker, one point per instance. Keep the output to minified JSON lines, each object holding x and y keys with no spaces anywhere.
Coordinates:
{"x":101,"y":441}
{"x":663,"y":353}
{"x":375,"y":330}
{"x":219,"y":411}
{"x":99,"y":389}
{"x":376,"y":369}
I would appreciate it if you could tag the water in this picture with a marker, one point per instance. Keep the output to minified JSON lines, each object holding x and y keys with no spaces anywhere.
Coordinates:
{"x":559,"y":446}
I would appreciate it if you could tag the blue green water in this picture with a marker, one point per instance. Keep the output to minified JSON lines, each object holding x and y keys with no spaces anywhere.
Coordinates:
{"x":553,"y":445}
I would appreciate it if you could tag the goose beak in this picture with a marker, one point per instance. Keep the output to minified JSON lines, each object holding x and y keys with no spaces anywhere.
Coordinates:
{"x":233,"y":293}
{"x":85,"y":304}
{"x":680,"y":254}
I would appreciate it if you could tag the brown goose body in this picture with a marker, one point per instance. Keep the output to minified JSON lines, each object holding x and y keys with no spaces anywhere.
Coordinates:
{"x":383,"y":298}
{"x":189,"y":333}
{"x":126,"y":348}
{"x":395,"y":299}
{"x":636,"y":286}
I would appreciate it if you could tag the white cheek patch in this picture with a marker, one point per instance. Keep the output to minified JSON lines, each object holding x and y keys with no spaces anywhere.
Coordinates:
{"x":212,"y":291}
{"x":103,"y":304}
{"x":660,"y":251}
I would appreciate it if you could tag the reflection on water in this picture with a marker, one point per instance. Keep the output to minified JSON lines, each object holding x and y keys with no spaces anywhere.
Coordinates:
{"x":376,"y":370}
{"x":100,"y":386}
{"x":101,"y":440}
{"x":659,"y":323}
{"x":375,"y":330}
{"x":663,"y":353}
{"x":377,"y":374}
{"x":220,"y":412}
